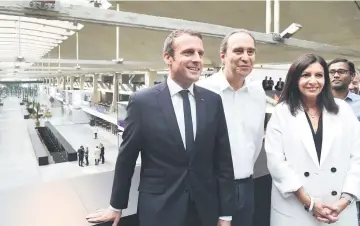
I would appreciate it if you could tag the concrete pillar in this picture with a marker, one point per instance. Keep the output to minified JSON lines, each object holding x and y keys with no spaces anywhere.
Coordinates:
{"x":54,"y":81}
{"x":95,"y":95}
{"x":150,"y":78}
{"x":71,"y":82}
{"x":115,"y":91}
{"x":82,"y":81}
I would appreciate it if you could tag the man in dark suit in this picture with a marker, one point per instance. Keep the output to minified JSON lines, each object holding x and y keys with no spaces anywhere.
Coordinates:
{"x":81,"y":152}
{"x":187,"y":176}
{"x":279,"y":85}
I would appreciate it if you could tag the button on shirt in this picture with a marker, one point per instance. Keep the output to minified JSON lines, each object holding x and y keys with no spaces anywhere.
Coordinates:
{"x":354,"y":101}
{"x":245,"y":114}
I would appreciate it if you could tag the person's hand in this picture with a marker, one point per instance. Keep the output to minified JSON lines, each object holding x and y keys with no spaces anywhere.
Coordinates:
{"x":337,"y":207}
{"x":324,"y":214}
{"x":224,"y":223}
{"x":104,"y":216}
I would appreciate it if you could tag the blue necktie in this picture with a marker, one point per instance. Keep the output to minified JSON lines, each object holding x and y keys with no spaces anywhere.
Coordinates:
{"x":189,"y":132}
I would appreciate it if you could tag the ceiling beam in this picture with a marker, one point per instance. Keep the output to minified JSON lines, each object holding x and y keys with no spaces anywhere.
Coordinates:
{"x":127,"y":19}
{"x":26,"y":42}
{"x":41,"y":29}
{"x":28,"y":38}
{"x":47,"y":23}
{"x":143,"y":64}
{"x":22,"y":34}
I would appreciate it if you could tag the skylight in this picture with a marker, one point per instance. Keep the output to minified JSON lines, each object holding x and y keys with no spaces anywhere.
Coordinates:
{"x":26,"y":39}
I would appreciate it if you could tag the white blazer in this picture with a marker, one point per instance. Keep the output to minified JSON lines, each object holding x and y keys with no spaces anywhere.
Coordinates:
{"x":292,"y":162}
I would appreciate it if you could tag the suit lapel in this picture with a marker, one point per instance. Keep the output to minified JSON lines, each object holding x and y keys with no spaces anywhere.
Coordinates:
{"x":200,"y":112}
{"x":305,"y":133}
{"x":167,"y":109}
{"x":331,"y":127}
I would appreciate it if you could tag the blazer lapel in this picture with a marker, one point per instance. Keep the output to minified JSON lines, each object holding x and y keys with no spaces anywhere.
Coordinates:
{"x":305,"y":133}
{"x":200,"y":112}
{"x":167,"y":108}
{"x":331,"y":127}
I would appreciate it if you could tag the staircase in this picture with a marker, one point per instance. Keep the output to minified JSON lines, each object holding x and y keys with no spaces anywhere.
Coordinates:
{"x":55,"y":149}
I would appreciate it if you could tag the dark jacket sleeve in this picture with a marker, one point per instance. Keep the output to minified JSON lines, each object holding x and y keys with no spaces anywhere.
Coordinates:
{"x":224,"y":166}
{"x":128,"y":154}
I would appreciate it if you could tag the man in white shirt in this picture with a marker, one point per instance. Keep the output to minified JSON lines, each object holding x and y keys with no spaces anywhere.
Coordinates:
{"x":180,"y":129}
{"x":244,"y":105}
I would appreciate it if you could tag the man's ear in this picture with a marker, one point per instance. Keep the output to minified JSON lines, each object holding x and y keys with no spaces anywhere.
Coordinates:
{"x":167,"y":58}
{"x":222,"y":57}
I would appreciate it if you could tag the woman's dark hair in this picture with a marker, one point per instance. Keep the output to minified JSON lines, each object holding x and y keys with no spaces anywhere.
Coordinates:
{"x":291,"y":92}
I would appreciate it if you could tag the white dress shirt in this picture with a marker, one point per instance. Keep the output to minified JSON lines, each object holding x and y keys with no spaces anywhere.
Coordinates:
{"x":177,"y":102}
{"x":245,"y":115}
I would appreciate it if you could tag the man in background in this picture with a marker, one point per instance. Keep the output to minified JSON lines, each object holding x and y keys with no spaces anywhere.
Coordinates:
{"x":342,"y":73}
{"x":354,"y":85}
{"x":345,"y":85}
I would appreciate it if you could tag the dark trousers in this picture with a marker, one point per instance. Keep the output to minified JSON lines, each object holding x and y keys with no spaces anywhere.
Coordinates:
{"x":244,"y":212}
{"x":192,"y":216}
{"x":81,"y":160}
{"x":102,"y":158}
{"x":87,"y":160}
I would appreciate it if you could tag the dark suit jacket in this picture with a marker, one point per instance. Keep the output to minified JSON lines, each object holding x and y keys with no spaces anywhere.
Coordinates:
{"x":170,"y":176}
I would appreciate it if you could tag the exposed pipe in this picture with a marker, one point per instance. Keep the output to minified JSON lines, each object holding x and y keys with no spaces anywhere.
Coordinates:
{"x":268,"y":16}
{"x":77,"y":45}
{"x":59,"y":56}
{"x":18,"y":36}
{"x":117,"y":36}
{"x":276,"y":16}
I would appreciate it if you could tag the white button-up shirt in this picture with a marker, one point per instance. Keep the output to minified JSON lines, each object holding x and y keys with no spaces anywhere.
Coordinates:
{"x":177,"y":102}
{"x":245,"y":115}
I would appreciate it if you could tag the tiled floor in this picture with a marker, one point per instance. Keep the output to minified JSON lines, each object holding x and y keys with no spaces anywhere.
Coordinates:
{"x":18,"y":166}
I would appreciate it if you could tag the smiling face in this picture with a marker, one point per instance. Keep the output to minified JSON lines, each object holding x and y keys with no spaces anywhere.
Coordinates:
{"x":311,"y":81}
{"x":354,"y":85}
{"x":239,"y":57}
{"x":186,"y":64}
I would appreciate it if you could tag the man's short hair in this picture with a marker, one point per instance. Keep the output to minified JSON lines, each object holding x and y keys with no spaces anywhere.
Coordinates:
{"x":224,"y":42}
{"x":168,"y":44}
{"x":350,"y":64}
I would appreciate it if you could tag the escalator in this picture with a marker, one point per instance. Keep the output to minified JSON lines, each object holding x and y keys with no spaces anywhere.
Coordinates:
{"x":55,"y":149}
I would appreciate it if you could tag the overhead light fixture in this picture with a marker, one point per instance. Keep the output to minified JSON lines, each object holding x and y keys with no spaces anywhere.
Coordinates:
{"x":287,"y":33}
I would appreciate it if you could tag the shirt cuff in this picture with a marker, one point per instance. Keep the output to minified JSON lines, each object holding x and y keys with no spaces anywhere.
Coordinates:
{"x":227,"y":218}
{"x":113,"y":209}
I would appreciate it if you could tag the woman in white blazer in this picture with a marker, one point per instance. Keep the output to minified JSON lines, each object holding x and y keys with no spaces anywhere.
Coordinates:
{"x":313,"y":151}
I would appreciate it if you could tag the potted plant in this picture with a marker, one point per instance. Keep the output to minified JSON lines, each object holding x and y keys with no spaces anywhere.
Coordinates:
{"x":37,"y":107}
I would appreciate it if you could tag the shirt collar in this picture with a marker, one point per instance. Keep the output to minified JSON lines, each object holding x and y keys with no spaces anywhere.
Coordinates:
{"x":351,"y":97}
{"x":174,"y":88}
{"x":224,"y":84}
